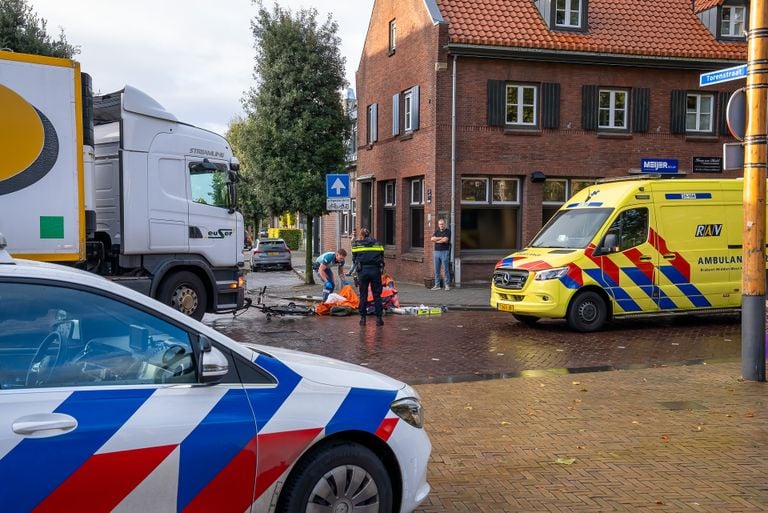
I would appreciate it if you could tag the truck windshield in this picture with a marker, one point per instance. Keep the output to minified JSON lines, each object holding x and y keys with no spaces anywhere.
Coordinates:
{"x":574,"y":228}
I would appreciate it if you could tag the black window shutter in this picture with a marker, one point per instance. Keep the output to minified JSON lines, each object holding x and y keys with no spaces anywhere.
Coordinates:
{"x":497,"y":102}
{"x":722,"y":101}
{"x":550,"y":105}
{"x":589,"y":107}
{"x":677,"y":111}
{"x":641,"y":104}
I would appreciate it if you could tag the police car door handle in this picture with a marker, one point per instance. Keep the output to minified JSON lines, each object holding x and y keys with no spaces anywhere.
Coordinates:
{"x":44,"y":425}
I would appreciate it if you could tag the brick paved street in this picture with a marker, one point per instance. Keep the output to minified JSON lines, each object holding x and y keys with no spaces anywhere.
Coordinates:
{"x":667,"y":439}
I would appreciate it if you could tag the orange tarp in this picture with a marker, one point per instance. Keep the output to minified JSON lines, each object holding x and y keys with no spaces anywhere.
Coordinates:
{"x":350,"y":300}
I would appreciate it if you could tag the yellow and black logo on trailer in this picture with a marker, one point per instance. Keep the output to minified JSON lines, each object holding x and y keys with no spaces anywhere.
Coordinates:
{"x":28,"y":143}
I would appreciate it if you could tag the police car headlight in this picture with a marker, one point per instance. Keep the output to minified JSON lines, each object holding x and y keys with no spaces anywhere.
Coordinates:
{"x":410,"y":410}
{"x":551,"y":274}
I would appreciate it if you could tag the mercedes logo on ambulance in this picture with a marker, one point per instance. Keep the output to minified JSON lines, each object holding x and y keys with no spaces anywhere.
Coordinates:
{"x":28,"y":143}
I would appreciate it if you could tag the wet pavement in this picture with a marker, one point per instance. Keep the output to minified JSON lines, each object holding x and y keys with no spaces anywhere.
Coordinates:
{"x":472,"y":345}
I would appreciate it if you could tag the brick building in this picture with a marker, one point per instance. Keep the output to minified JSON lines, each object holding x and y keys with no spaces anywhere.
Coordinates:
{"x":491,"y":113}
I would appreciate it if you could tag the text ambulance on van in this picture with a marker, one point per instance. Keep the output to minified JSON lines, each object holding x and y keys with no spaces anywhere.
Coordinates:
{"x":629,"y":247}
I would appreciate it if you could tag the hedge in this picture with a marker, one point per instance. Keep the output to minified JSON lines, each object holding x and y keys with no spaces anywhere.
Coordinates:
{"x":291,"y":236}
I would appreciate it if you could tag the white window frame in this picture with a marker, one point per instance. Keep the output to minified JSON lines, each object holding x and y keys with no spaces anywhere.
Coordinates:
{"x":392,"y":35}
{"x":613,"y":110}
{"x":698,"y":112}
{"x":408,"y":111}
{"x":515,"y":201}
{"x":475,"y":179}
{"x":521,"y":106}
{"x":417,"y":191}
{"x":732,"y":24}
{"x":371,"y":124}
{"x":389,"y":194}
{"x":568,"y":9}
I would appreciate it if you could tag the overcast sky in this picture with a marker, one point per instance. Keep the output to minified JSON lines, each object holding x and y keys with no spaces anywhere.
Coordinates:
{"x":195,"y":57}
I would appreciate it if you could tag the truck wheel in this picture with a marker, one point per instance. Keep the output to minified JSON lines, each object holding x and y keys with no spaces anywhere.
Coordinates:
{"x":185,"y":292}
{"x":587,"y":312}
{"x":340,"y":477}
{"x":528,"y":320}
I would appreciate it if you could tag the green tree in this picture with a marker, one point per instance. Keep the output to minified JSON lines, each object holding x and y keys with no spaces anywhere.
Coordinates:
{"x":22,"y":30}
{"x":240,"y":136}
{"x":299,"y":126}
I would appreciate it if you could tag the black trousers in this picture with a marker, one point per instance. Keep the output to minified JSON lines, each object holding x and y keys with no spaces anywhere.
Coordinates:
{"x":370,"y":276}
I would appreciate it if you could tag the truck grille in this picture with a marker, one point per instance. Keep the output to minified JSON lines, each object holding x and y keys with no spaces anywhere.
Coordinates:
{"x":510,"y":279}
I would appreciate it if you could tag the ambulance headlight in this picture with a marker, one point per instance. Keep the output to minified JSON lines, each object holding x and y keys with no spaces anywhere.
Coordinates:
{"x":551,"y":274}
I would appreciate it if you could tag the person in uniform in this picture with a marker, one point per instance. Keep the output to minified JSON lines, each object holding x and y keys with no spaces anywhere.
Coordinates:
{"x":368,"y":262}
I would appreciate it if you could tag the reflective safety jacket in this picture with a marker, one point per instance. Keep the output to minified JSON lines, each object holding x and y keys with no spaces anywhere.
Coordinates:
{"x":366,"y":253}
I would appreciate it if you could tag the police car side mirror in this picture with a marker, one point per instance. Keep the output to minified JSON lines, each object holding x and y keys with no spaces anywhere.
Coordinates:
{"x":213,"y":364}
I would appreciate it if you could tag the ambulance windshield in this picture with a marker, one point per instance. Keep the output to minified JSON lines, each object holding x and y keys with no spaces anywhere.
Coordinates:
{"x":573,"y":228}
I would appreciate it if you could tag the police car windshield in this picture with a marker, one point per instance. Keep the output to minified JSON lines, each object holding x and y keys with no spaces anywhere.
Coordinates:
{"x":573,"y":228}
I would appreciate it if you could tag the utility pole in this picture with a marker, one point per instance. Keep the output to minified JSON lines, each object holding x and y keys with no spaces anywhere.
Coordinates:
{"x":755,"y":157}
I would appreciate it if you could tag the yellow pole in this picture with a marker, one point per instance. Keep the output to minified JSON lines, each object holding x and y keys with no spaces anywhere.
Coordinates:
{"x":755,"y":157}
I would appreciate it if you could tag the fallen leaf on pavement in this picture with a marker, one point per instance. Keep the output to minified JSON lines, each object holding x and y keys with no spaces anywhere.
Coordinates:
{"x":565,"y":461}
{"x":635,"y":422}
{"x":575,"y":382}
{"x":505,"y":423}
{"x":583,"y":390}
{"x":698,"y":428}
{"x":750,"y":415}
{"x":665,"y":438}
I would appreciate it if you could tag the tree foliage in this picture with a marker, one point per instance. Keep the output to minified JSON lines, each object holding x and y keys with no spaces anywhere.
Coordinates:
{"x":299,"y":125}
{"x":22,"y":30}
{"x":240,"y":136}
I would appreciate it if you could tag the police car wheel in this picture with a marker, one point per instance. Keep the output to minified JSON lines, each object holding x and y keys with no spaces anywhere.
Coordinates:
{"x":342,"y":477}
{"x":185,"y":292}
{"x":587,"y":312}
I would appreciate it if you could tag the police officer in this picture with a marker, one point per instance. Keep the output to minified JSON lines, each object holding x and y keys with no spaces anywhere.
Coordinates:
{"x":368,"y":261}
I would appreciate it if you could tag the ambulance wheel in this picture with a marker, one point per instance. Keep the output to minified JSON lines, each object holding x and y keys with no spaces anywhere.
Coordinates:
{"x":528,"y":320}
{"x":587,"y":312}
{"x":184,"y":292}
{"x":341,"y":476}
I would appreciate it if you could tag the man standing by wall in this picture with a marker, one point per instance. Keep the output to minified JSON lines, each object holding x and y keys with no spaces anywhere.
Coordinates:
{"x":442,"y":254}
{"x":368,"y":261}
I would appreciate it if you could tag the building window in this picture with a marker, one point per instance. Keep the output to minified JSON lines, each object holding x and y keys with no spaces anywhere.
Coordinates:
{"x":521,"y":105}
{"x":698,"y":112}
{"x":392,"y":36}
{"x":568,"y":13}
{"x":388,"y":219}
{"x":371,"y":124}
{"x":352,"y":149}
{"x":612,"y":109}
{"x":578,"y":185}
{"x":405,"y":111}
{"x":554,"y":194}
{"x":474,"y":190}
{"x":489,"y":223}
{"x":732,"y":24}
{"x":417,"y":213}
{"x":408,"y":111}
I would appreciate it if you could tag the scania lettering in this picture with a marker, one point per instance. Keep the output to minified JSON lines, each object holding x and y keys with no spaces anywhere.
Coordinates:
{"x":629,"y":247}
{"x":117,"y":185}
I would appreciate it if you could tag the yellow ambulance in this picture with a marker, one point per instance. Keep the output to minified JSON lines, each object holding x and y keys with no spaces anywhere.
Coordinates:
{"x":628,"y":247}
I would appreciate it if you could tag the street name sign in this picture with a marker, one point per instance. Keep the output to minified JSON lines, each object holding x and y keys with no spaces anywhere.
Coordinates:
{"x":723,"y":75}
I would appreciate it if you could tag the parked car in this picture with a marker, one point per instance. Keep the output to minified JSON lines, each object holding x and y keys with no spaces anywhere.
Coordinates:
{"x":110,"y":400}
{"x":270,"y":253}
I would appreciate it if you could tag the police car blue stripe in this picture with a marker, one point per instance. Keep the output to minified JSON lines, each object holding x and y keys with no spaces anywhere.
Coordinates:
{"x":221,"y":435}
{"x":266,"y":402}
{"x":36,"y":467}
{"x":362,"y":410}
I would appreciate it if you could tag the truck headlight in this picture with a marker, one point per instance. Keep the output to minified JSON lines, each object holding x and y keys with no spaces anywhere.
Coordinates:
{"x":551,"y":274}
{"x":410,"y":410}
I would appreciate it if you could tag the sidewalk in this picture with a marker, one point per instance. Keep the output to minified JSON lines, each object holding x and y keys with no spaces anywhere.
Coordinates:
{"x":474,"y":297}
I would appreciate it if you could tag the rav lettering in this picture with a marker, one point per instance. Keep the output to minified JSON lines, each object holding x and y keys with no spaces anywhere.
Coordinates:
{"x":709,"y":230}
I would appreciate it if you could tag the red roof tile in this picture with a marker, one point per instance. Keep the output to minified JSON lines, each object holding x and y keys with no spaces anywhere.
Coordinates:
{"x":703,"y":5}
{"x":659,"y":28}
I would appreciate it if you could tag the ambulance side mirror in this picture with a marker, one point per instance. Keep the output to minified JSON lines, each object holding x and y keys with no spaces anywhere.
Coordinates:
{"x":610,"y":244}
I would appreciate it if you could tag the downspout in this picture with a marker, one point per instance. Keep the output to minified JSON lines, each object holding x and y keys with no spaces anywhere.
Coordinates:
{"x":456,"y":264}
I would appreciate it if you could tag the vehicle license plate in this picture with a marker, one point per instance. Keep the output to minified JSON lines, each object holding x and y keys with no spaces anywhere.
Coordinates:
{"x":273,"y":253}
{"x":505,"y":307}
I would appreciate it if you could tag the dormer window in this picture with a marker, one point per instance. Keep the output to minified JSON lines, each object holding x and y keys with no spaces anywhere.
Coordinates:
{"x":569,"y":14}
{"x":733,"y":20}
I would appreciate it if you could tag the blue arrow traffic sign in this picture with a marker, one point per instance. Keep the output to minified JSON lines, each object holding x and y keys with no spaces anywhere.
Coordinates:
{"x":337,"y":186}
{"x":723,"y":75}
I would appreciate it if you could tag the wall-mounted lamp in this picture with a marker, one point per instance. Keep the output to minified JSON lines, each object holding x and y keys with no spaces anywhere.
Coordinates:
{"x":538,"y":177}
{"x":429,"y":195}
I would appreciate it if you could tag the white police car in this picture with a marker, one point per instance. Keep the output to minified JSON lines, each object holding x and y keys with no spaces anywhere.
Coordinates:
{"x":111,"y":401}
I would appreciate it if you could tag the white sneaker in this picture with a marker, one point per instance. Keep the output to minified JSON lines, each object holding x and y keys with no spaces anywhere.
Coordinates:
{"x":447,"y":287}
{"x":436,"y":287}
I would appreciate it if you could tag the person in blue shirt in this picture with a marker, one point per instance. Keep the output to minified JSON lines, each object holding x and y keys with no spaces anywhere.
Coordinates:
{"x":323,"y":265}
